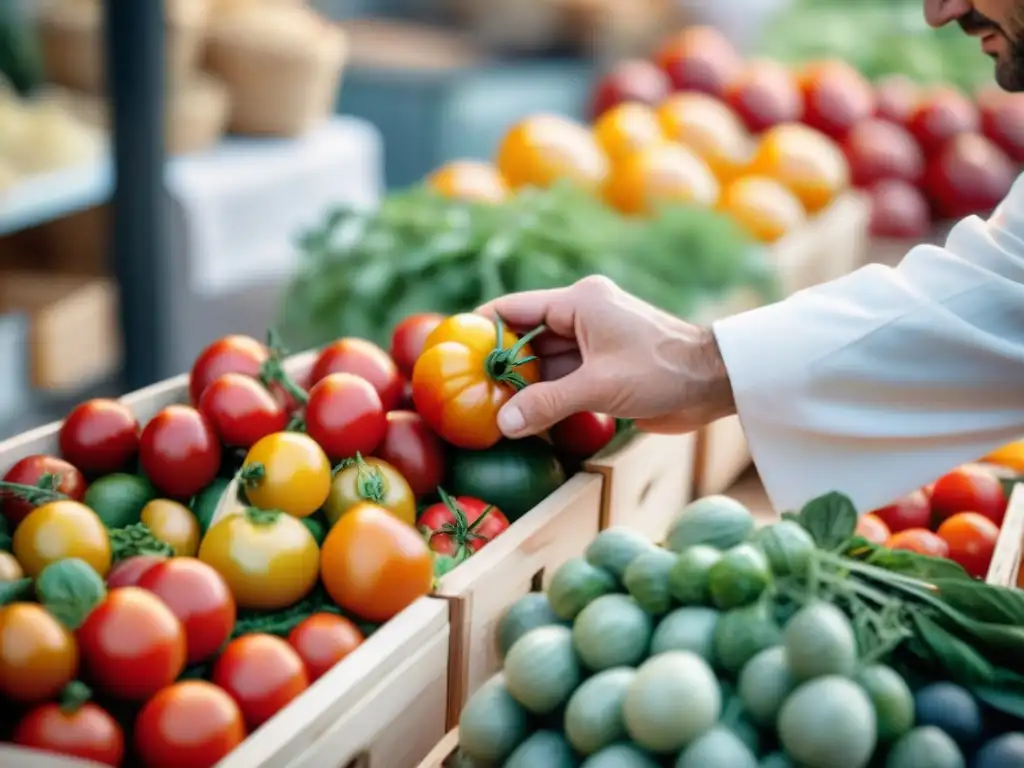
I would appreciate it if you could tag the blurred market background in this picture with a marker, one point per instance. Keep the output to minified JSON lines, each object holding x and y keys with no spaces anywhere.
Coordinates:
{"x":174,"y":171}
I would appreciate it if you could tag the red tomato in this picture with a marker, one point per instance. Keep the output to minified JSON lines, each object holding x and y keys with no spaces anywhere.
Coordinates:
{"x":262,"y":673}
{"x":99,"y":437}
{"x":836,"y":98}
{"x":29,"y":471}
{"x":583,"y":434}
{"x":128,"y":572}
{"x":411,"y":447}
{"x":899,"y":210}
{"x":455,"y":524}
{"x":765,"y":95}
{"x":940,"y":115}
{"x":242,"y":410}
{"x":635,"y":80}
{"x":87,"y":732}
{"x":700,"y":59}
{"x":179,"y":451}
{"x":919,"y":540}
{"x":968,"y":175}
{"x":322,"y":640}
{"x":910,"y":511}
{"x":873,"y":529}
{"x":409,"y":337}
{"x":345,"y":416}
{"x":1002,"y":121}
{"x":201,"y":600}
{"x":193,"y":723}
{"x":969,"y":489}
{"x":878,"y":150}
{"x":896,"y":98}
{"x":232,"y":354}
{"x":972,"y":541}
{"x":366,"y":360}
{"x":132,"y":645}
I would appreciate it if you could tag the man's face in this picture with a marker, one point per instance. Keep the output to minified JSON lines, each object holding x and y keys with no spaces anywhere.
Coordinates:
{"x":999,"y":27}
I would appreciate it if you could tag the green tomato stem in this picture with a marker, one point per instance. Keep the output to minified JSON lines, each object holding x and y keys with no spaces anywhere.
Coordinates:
{"x":273,"y":371}
{"x":501,"y":363}
{"x":36,"y":495}
{"x":73,"y":696}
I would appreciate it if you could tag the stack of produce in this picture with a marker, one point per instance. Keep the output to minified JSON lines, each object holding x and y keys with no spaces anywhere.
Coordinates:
{"x":129,"y":572}
{"x":799,"y":644}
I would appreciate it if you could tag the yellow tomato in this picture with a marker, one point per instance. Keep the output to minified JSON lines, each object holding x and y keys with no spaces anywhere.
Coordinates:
{"x":287,"y":471}
{"x":469,"y":180}
{"x":543,"y":149}
{"x":711,"y":129}
{"x":627,"y":128}
{"x":658,"y":174}
{"x":1010,"y":456}
{"x":270,"y":560}
{"x":10,"y":569}
{"x":38,"y":655}
{"x":173,"y":524}
{"x":765,"y":208}
{"x":58,"y":530}
{"x":375,"y":481}
{"x":805,"y":160}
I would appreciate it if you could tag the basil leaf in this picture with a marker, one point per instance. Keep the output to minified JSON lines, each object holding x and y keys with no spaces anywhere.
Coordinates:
{"x":831,"y":519}
{"x":70,"y":589}
{"x":983,"y":602}
{"x":960,"y":662}
{"x":924,"y":567}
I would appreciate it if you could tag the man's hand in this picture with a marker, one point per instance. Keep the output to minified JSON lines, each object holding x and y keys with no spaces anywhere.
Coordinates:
{"x":610,"y":352}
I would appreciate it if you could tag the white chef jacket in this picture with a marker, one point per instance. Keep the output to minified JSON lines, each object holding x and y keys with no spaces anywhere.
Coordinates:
{"x":881,"y":381}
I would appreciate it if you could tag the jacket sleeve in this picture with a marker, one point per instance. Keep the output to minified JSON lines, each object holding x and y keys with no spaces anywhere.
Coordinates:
{"x":879,"y":382}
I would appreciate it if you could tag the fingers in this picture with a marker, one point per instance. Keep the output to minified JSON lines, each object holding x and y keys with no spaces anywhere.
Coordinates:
{"x":540,"y":406}
{"x":532,"y":308}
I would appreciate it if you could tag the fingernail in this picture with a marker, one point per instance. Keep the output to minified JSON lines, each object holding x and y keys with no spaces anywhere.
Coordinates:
{"x":510,"y":420}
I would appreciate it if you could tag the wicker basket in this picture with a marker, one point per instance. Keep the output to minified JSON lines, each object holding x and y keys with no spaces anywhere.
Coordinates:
{"x":283,"y":84}
{"x":71,"y":36}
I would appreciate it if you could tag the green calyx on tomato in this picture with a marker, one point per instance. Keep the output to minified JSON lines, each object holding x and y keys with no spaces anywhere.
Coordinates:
{"x":43,"y":492}
{"x":370,"y":481}
{"x":262,"y":517}
{"x":137,"y":539}
{"x":460,"y":532}
{"x":73,"y":696}
{"x":501,"y":364}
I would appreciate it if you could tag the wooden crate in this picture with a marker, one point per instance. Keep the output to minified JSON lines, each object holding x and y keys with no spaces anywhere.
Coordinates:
{"x":1006,"y":560}
{"x":444,"y":749}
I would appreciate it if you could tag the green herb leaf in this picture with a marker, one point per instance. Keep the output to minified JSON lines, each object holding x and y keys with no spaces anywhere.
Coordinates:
{"x":15,"y":591}
{"x":831,"y":519}
{"x":983,"y":602}
{"x":924,"y":567}
{"x":70,"y":589}
{"x":951,"y":656}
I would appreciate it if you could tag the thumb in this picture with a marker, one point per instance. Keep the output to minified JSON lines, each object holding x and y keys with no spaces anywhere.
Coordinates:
{"x":542,"y":405}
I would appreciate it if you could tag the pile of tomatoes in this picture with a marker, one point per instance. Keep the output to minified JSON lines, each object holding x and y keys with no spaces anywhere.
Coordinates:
{"x":138,"y":566}
{"x":958,"y":517}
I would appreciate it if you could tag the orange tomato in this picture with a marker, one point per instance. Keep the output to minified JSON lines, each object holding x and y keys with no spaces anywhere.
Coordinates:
{"x":471,"y":180}
{"x":1010,"y":456}
{"x":465,"y":374}
{"x":626,"y":128}
{"x":972,"y":541}
{"x":764,"y":207}
{"x":664,"y":173}
{"x":873,"y":529}
{"x":808,"y":162}
{"x":711,"y":129}
{"x":919,"y":540}
{"x":374,"y":565}
{"x":543,"y":149}
{"x":38,"y":655}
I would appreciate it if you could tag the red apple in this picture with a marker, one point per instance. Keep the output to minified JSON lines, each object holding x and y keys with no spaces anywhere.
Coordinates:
{"x":836,"y":97}
{"x":896,"y":97}
{"x":1002,"y":121}
{"x":968,"y":175}
{"x":700,"y":59}
{"x":899,"y":210}
{"x":940,"y":115}
{"x":631,"y":80}
{"x":877,"y":149}
{"x":765,"y":95}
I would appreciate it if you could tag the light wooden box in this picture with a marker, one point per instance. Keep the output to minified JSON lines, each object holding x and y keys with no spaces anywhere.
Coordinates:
{"x":1005,"y":569}
{"x":521,"y":560}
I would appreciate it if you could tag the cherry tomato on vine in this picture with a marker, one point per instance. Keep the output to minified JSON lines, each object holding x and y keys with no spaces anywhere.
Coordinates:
{"x":460,"y":523}
{"x":969,"y":489}
{"x":201,"y":600}
{"x":179,"y":451}
{"x":872,"y":528}
{"x":192,"y":723}
{"x":86,"y":731}
{"x":58,"y":530}
{"x":411,"y":447}
{"x":409,"y":337}
{"x":30,"y":471}
{"x":322,"y":640}
{"x":583,"y":434}
{"x":919,"y":540}
{"x":242,"y":410}
{"x":972,"y":541}
{"x":363,"y":359}
{"x":374,"y":565}
{"x":99,"y":437}
{"x":128,"y":572}
{"x":174,"y":524}
{"x":38,"y":655}
{"x":345,"y":416}
{"x":470,"y":367}
{"x":372,"y":480}
{"x":232,"y":354}
{"x":132,"y":645}
{"x":262,"y":673}
{"x":287,"y":471}
{"x":910,"y":511}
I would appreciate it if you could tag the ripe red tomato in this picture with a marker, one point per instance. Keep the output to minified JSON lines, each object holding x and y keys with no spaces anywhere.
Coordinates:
{"x":232,"y":354}
{"x":179,"y":451}
{"x":899,"y":210}
{"x":896,"y":98}
{"x":765,"y":95}
{"x":409,"y":337}
{"x":969,"y":489}
{"x":460,"y":523}
{"x":836,"y":98}
{"x":322,"y":640}
{"x":700,"y":59}
{"x":919,"y":540}
{"x":242,"y":410}
{"x":99,"y":437}
{"x":132,"y":645}
{"x":262,"y":673}
{"x":128,"y":572}
{"x":583,"y":434}
{"x":939,"y":116}
{"x":345,"y":416}
{"x":910,"y":511}
{"x":877,"y":150}
{"x":411,"y":447}
{"x":636,"y":80}
{"x":873,"y":529}
{"x":87,"y":732}
{"x":968,"y":175}
{"x":192,"y":723}
{"x":1002,"y":121}
{"x":201,"y":600}
{"x":972,"y":541}
{"x":366,"y":360}
{"x":29,"y":471}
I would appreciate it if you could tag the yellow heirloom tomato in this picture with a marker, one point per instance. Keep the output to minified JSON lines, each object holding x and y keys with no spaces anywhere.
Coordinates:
{"x":58,"y":530}
{"x":289,"y":472}
{"x":174,"y":524}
